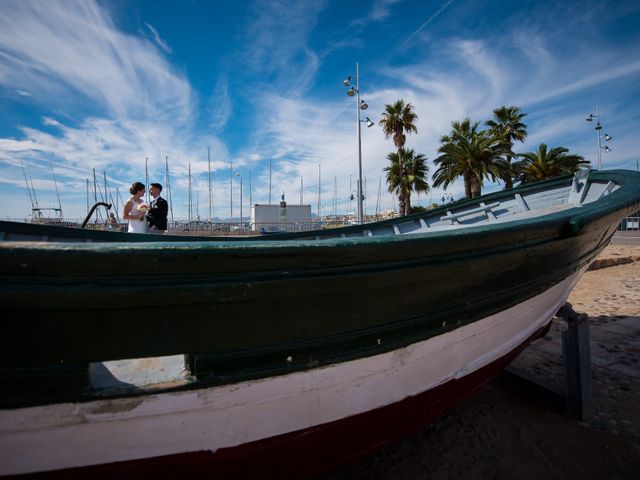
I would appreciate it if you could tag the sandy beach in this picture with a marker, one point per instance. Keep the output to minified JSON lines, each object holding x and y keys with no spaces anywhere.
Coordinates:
{"x":503,"y":433}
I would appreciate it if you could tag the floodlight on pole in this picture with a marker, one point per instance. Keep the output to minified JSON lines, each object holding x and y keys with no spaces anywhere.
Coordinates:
{"x":599,"y":137}
{"x":360,"y":105}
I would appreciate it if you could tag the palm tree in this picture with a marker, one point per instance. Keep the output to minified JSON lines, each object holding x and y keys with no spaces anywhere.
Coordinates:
{"x":414,"y":178}
{"x":508,"y":125}
{"x":545,"y":163}
{"x":398,"y":119}
{"x":471,"y":154}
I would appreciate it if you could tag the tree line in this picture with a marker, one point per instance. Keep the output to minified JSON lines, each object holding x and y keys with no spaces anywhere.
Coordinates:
{"x":470,"y":152}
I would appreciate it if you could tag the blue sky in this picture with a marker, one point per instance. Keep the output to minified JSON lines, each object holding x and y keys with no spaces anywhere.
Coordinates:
{"x":103,"y":85}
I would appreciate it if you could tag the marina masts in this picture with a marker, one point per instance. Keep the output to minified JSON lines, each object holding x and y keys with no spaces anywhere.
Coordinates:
{"x":95,"y":194}
{"x":57,"y":192}
{"x":32,"y":195}
{"x":210,"y":198}
{"x":146,"y":177}
{"x":168,"y":184}
{"x":189,"y":214}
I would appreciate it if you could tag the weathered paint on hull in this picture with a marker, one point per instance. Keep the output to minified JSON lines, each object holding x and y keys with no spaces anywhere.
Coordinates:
{"x":323,"y":415}
{"x":305,"y":453}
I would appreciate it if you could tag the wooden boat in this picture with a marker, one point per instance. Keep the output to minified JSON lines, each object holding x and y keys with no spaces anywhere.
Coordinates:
{"x":302,"y":350}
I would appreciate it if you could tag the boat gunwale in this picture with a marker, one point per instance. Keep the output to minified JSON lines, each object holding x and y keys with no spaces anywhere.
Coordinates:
{"x":577,"y":216}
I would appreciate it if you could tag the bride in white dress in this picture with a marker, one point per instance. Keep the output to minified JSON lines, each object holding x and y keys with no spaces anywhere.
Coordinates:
{"x":136,"y":217}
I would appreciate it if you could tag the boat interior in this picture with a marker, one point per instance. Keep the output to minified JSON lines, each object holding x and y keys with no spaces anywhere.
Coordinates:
{"x":509,"y":207}
{"x":517,"y":204}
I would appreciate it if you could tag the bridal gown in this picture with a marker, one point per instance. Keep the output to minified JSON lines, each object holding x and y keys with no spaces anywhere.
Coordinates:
{"x":137,"y":226}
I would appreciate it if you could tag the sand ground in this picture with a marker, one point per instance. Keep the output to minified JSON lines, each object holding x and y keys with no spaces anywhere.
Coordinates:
{"x":503,"y":433}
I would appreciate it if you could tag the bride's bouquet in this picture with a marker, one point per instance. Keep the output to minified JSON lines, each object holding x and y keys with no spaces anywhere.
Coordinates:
{"x":143,"y":208}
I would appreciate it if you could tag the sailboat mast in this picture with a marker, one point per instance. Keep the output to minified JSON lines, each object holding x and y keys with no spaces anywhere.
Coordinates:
{"x":210,"y":203}
{"x":117,"y":203}
{"x":57,"y":192}
{"x":120,"y":198}
{"x":106,"y":194}
{"x":35,"y":199}
{"x":301,"y":187}
{"x":168,"y":185}
{"x":335,"y":196}
{"x":319,"y":194}
{"x":146,"y":176}
{"x":95,"y":194}
{"x":189,"y":215}
{"x":33,"y":206}
{"x":95,"y":187}
{"x":166,"y":182}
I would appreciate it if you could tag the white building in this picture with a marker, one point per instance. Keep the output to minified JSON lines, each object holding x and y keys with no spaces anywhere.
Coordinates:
{"x":280,"y":217}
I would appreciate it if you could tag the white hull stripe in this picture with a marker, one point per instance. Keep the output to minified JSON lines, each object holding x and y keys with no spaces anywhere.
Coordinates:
{"x":69,"y":435}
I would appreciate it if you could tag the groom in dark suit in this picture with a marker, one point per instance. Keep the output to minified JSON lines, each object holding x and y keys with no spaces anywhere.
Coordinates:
{"x":157,"y":216}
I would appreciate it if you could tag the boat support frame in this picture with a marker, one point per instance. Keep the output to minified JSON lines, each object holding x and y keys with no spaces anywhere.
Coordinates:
{"x":576,"y":399}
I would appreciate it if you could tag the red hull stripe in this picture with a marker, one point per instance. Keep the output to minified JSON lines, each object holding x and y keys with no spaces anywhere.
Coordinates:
{"x":304,"y":453}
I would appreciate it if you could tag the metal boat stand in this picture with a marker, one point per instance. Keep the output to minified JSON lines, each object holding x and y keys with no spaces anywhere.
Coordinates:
{"x":576,"y":399}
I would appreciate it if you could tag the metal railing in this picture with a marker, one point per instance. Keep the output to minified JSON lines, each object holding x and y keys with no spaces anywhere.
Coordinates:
{"x":630,"y":224}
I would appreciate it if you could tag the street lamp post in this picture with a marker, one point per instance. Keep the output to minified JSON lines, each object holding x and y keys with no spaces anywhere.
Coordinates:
{"x":241,"y":224}
{"x":360,"y":105}
{"x":598,"y":129}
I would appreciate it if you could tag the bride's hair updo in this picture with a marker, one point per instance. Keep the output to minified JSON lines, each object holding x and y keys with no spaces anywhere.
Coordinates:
{"x":136,"y":187}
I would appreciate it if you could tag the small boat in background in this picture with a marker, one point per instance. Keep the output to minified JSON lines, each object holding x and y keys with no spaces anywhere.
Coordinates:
{"x":285,"y":354}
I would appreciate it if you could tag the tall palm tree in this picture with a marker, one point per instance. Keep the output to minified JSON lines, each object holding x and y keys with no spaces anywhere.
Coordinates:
{"x":471,"y":154}
{"x":545,"y":163}
{"x":414,"y":178}
{"x":399,"y":119}
{"x":508,"y":124}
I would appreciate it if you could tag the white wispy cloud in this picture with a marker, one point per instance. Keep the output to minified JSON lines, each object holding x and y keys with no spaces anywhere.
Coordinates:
{"x":592,"y":78}
{"x":72,"y":54}
{"x":72,"y":46}
{"x":220,"y":106}
{"x":426,"y":23}
{"x":50,"y":121}
{"x":277,"y":33}
{"x":379,"y":11}
{"x":23,"y":93}
{"x":158,"y":39}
